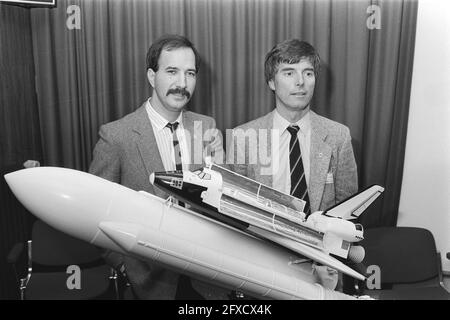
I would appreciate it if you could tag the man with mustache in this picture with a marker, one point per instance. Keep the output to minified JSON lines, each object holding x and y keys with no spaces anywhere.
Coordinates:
{"x":311,"y":156}
{"x":159,"y":136}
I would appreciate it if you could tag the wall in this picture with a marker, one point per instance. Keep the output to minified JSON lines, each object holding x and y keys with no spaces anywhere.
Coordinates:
{"x":425,"y":197}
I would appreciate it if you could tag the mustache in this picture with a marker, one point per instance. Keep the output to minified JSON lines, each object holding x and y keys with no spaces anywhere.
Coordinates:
{"x":181,"y":91}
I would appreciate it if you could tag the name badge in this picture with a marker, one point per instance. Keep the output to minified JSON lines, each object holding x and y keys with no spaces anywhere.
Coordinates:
{"x":329,"y":178}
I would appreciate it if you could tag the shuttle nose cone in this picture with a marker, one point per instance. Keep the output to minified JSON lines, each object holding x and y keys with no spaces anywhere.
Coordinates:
{"x":152,"y":178}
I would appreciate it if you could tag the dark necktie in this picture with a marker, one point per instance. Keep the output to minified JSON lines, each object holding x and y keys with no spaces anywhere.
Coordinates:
{"x":298,"y":179}
{"x":176,"y":145}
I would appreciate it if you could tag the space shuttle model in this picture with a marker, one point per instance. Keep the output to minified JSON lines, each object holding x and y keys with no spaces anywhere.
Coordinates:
{"x":238,"y":234}
{"x":272,"y":215}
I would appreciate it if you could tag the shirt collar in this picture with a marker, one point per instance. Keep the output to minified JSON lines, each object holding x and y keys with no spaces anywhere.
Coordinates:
{"x":305,"y":123}
{"x":158,"y":120}
{"x":281,"y":123}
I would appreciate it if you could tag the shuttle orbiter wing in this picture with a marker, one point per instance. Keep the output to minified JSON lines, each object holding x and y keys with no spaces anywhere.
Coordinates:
{"x":352,"y":207}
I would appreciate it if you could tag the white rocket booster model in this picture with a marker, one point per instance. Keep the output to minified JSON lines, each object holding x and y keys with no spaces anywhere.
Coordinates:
{"x":273,"y":215}
{"x":150,"y":228}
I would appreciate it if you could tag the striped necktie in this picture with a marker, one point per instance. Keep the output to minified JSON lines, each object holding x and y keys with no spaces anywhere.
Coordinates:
{"x":176,"y":145}
{"x":177,"y":151}
{"x":298,"y":179}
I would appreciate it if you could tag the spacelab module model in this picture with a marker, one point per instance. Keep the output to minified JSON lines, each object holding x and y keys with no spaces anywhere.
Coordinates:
{"x":241,"y":234}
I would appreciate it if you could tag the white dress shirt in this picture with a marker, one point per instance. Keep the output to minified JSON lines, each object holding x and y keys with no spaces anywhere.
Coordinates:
{"x":164,"y":139}
{"x":282,"y":176}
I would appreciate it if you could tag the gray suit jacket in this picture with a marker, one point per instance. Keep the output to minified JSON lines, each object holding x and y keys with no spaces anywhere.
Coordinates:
{"x":331,"y":157}
{"x":127,"y":153}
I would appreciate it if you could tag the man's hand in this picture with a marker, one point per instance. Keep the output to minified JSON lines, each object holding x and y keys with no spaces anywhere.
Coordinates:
{"x":31,"y":164}
{"x":326,"y":276}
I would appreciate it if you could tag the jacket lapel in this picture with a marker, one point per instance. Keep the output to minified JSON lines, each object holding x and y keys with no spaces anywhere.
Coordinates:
{"x":265,"y":123}
{"x":319,"y":162}
{"x":194,"y":140}
{"x":147,"y":146}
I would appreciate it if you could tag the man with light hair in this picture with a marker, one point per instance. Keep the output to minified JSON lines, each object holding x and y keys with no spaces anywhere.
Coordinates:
{"x":311,"y":157}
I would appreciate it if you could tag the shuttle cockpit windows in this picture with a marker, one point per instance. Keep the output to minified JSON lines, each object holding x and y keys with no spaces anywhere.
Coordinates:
{"x":207,"y":176}
{"x":202,"y":175}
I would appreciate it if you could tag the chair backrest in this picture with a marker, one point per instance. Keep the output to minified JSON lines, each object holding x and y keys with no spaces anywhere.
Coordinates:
{"x":404,"y":254}
{"x":51,"y":247}
{"x":52,"y":252}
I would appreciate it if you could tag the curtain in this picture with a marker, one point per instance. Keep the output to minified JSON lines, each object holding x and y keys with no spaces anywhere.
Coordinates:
{"x":96,"y":74}
{"x":19,"y":132}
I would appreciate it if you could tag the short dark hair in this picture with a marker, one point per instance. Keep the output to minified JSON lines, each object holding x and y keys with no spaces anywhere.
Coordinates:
{"x":290,"y":51}
{"x":169,"y":42}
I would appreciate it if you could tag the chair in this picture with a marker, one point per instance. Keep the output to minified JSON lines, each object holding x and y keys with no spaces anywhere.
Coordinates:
{"x":409,"y":264}
{"x":49,"y":276}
